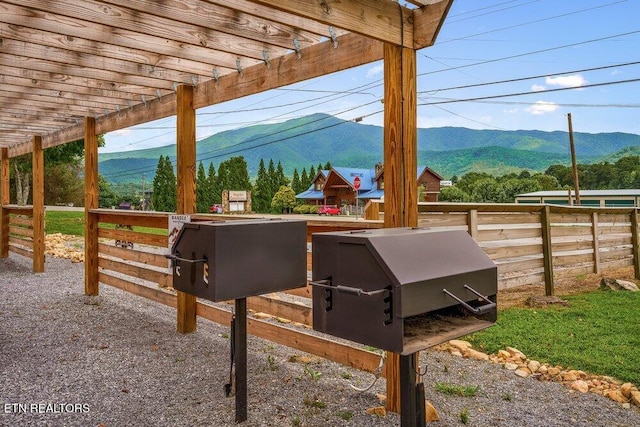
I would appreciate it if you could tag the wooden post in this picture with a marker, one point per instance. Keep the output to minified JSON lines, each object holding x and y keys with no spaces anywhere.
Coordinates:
{"x":38,"y":205}
{"x":546,"y":250}
{"x":4,"y":200}
{"x":400,"y":166}
{"x":91,"y":285}
{"x":472,"y":223}
{"x":574,"y":164}
{"x":186,"y":203}
{"x":596,"y":242}
{"x":635,"y":242}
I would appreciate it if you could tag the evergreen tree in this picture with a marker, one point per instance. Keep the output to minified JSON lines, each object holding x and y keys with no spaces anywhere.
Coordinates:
{"x":164,"y":186}
{"x":327,"y":166}
{"x":305,"y":181}
{"x":261,"y":198}
{"x":238,"y":174}
{"x":213,"y":193}
{"x":201,"y":190}
{"x":312,"y":174}
{"x":271,"y":173}
{"x":281,"y":179}
{"x":222,"y":181}
{"x":319,"y":167}
{"x":296,"y":184}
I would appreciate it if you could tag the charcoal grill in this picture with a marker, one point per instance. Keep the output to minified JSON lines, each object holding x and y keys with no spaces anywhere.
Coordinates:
{"x":233,"y":260}
{"x":402,"y":290}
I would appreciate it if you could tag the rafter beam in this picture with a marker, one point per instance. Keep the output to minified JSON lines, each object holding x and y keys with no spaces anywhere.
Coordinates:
{"x":427,"y":22}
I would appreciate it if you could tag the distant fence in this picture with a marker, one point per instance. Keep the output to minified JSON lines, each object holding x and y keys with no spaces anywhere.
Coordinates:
{"x":534,"y":244}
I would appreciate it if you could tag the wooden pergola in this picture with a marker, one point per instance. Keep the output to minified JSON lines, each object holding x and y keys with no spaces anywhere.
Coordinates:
{"x":75,"y":69}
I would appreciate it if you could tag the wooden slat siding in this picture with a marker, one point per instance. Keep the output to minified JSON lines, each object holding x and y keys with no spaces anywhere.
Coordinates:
{"x":91,"y":191}
{"x":567,"y":218}
{"x":157,"y":295}
{"x":614,"y":219}
{"x":147,"y":274}
{"x":497,"y":253}
{"x":21,"y":250}
{"x":560,"y":260}
{"x":635,"y":243}
{"x":21,"y":231}
{"x":23,"y":242}
{"x":37,"y":162}
{"x":508,"y":234}
{"x":432,"y":219}
{"x":516,"y":266}
{"x":21,"y":220}
{"x":534,"y":278}
{"x":618,"y":263}
{"x":569,"y":273}
{"x":573,"y":245}
{"x":133,"y":218}
{"x":19,"y":210}
{"x":134,"y":255}
{"x":279,"y":308}
{"x":616,"y":253}
{"x":134,"y":236}
{"x":572,"y":231}
{"x":596,"y":243}
{"x":615,"y":230}
{"x":547,"y":250}
{"x":300,"y":292}
{"x":508,"y":218}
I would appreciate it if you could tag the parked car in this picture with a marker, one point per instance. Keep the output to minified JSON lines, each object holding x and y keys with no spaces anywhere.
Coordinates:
{"x":216,"y":209}
{"x":328,"y":210}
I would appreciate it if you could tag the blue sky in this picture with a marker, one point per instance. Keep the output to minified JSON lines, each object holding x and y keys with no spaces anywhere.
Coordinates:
{"x":531,"y":50}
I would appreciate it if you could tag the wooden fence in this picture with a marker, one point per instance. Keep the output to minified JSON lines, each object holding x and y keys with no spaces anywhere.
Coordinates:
{"x":19,"y":230}
{"x":533,"y":244}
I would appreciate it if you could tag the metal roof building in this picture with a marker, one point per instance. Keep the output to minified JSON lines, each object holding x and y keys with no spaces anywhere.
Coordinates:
{"x":603,"y":198}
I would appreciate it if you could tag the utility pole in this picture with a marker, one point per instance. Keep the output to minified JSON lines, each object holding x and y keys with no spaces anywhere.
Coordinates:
{"x":144,"y":198}
{"x":574,"y":164}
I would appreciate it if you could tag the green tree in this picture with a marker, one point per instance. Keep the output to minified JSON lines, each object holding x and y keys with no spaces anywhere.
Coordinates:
{"x":547,"y":182}
{"x":202,"y":202}
{"x":281,"y":178}
{"x":261,"y":197}
{"x":237,"y":174}
{"x":296,"y":183}
{"x":215,"y":195}
{"x":327,"y":166}
{"x":106,"y":197}
{"x":514,"y":186}
{"x":453,"y":194}
{"x":164,"y":186}
{"x":284,"y":200}
{"x":271,"y":174}
{"x":305,"y":181}
{"x":488,"y":190}
{"x":468,"y":181}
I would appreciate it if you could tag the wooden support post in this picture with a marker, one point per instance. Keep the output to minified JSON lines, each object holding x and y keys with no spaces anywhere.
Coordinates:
{"x":596,"y":242}
{"x":4,"y":200}
{"x":400,"y":166}
{"x":472,"y":223}
{"x":186,"y":203}
{"x":91,"y":286}
{"x":635,"y":241}
{"x":38,"y":205}
{"x":546,"y":250}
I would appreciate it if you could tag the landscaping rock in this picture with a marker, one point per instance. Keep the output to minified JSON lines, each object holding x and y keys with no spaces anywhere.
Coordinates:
{"x":618,"y":285}
{"x":542,"y":301}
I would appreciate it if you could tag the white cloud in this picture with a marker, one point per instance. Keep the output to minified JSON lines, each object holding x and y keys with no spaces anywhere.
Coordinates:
{"x":538,"y":88}
{"x":375,"y":71}
{"x":542,"y":107}
{"x":566,"y":81}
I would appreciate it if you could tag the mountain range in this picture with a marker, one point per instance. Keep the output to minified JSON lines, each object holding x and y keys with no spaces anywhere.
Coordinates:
{"x":319,"y":138}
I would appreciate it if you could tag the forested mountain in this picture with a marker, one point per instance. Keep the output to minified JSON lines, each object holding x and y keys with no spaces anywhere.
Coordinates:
{"x":320,"y":138}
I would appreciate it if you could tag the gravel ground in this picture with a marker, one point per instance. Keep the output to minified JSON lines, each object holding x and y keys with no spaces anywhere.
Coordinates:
{"x":116,"y":360}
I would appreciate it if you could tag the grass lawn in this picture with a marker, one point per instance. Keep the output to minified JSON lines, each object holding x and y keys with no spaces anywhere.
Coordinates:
{"x":72,"y":223}
{"x":598,"y":332}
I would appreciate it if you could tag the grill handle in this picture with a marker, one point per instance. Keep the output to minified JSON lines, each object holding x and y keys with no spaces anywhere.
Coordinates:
{"x":175,"y":258}
{"x":483,"y":309}
{"x":348,"y":289}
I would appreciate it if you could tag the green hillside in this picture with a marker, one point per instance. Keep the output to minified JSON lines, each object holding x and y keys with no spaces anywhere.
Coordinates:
{"x":320,"y":138}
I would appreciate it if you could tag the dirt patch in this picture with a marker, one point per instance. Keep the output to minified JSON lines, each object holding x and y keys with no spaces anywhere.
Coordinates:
{"x":516,"y":297}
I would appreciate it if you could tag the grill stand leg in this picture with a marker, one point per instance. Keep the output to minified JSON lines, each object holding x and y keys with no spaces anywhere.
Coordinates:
{"x":412,"y":403}
{"x":240,"y":336}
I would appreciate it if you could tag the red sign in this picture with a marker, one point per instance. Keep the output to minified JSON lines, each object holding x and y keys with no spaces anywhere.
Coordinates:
{"x":356,"y":183}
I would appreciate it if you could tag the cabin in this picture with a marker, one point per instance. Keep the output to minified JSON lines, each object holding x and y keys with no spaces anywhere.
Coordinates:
{"x":337,"y":186}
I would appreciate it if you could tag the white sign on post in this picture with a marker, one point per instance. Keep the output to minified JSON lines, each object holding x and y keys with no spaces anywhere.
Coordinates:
{"x":175,"y":225}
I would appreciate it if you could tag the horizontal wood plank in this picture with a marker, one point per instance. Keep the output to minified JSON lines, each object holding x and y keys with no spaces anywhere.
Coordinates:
{"x":134,"y":237}
{"x":154,"y":276}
